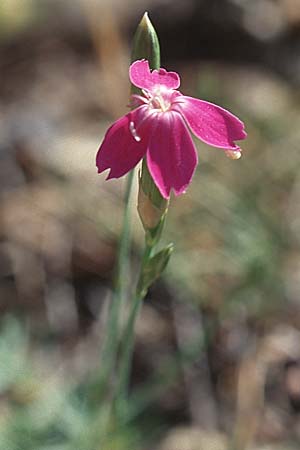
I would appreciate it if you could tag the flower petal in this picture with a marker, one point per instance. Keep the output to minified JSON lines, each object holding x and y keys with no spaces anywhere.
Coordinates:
{"x":211,"y":123}
{"x":120,"y":151}
{"x":171,"y":156}
{"x":141,"y":76}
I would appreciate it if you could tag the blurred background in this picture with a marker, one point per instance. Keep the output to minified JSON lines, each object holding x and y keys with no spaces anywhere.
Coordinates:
{"x":217,"y":357}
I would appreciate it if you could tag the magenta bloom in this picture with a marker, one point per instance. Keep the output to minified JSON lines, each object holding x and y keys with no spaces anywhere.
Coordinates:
{"x":158,"y":130}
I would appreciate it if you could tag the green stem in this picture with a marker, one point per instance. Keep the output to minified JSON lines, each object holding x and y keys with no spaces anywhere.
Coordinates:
{"x":128,"y":335}
{"x":110,"y":346}
{"x":122,"y":265}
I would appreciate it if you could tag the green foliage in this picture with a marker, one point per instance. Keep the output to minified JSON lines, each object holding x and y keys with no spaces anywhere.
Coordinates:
{"x":155,"y":266}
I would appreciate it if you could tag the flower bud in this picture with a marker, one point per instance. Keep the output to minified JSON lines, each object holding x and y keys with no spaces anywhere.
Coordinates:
{"x":146,"y":43}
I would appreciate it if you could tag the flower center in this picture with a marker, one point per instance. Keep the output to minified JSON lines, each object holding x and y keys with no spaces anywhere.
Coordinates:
{"x":158,"y":102}
{"x":159,"y":99}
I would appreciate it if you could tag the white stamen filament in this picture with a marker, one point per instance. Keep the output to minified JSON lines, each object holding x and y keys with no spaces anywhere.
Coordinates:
{"x":158,"y":102}
{"x":134,"y":132}
{"x":134,"y":128}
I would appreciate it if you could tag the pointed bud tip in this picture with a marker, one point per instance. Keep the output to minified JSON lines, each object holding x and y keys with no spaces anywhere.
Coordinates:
{"x":145,"y":16}
{"x":145,"y":22}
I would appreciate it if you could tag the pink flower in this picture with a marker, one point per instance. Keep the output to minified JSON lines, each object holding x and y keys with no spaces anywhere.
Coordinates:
{"x":158,"y":130}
